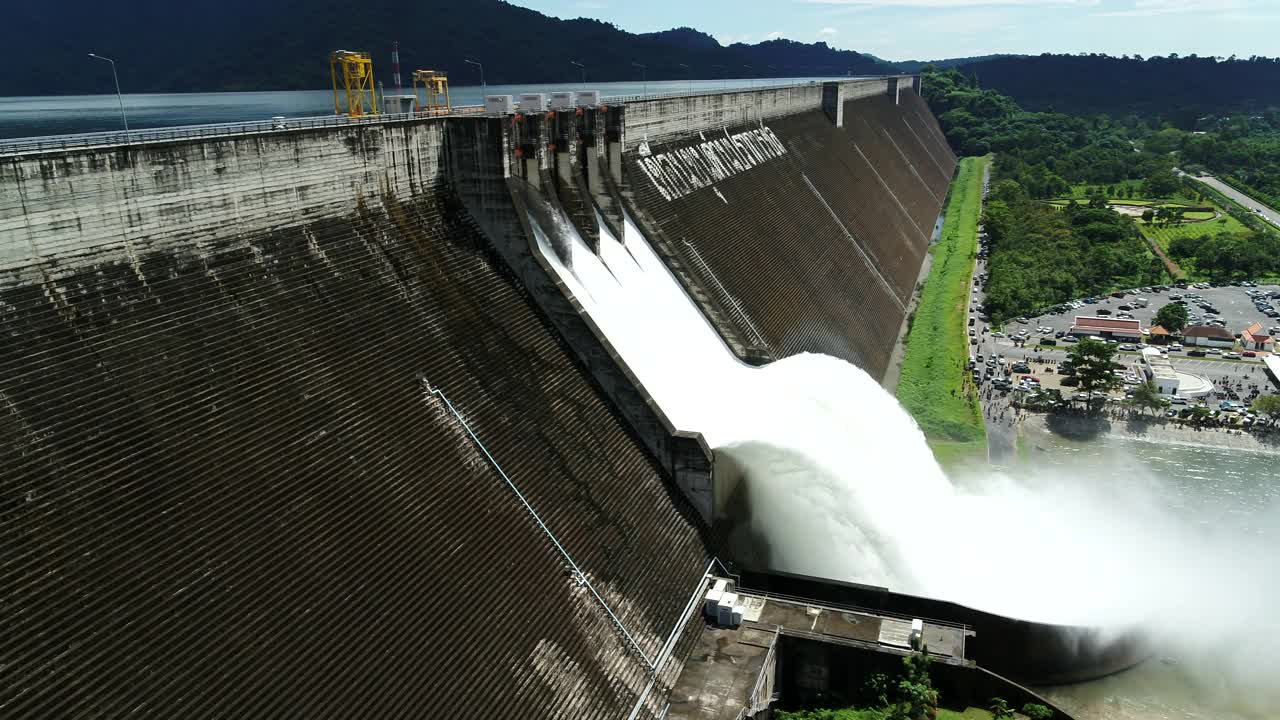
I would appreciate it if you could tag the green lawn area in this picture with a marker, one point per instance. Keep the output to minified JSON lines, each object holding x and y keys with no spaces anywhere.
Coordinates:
{"x":934,"y":386}
{"x":1082,"y":191}
{"x":969,"y":714}
{"x":1165,"y":234}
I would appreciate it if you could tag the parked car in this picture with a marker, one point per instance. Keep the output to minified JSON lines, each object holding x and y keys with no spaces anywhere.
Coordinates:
{"x":1249,"y":353}
{"x":1196,"y":353}
{"x":1103,"y":311}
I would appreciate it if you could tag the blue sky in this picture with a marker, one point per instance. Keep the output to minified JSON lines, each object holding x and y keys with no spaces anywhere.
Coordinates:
{"x":934,"y":29}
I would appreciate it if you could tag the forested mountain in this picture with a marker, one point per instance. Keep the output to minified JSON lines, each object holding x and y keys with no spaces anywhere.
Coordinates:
{"x":1179,"y":89}
{"x":914,"y":66}
{"x":208,"y":45}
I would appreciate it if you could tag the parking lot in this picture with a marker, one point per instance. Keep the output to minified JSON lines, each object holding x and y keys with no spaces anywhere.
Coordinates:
{"x":1231,"y":377}
{"x":1235,"y":308}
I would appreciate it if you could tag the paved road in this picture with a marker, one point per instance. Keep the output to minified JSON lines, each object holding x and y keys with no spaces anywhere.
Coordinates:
{"x":1272,"y":216}
{"x":999,"y":416}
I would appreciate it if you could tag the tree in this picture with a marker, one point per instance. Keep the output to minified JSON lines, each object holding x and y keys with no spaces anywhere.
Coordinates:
{"x":1147,"y":397}
{"x":1092,"y":361}
{"x":877,"y":690}
{"x":1000,"y":709}
{"x":917,"y":699}
{"x":1148,"y":215}
{"x":1172,"y":317}
{"x":1036,"y":711}
{"x":1199,"y":414}
{"x":1268,"y":405}
{"x":1162,"y":184}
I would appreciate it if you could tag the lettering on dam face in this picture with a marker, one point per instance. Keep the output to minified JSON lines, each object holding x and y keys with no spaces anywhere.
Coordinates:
{"x":681,"y":171}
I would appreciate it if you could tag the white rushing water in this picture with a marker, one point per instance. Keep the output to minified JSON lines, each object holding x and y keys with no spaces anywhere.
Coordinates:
{"x":843,"y":485}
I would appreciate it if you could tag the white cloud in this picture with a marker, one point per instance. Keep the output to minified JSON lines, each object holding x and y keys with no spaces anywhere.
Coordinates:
{"x":728,"y":39}
{"x":1150,"y":8}
{"x":827,"y":32}
{"x":775,"y":35}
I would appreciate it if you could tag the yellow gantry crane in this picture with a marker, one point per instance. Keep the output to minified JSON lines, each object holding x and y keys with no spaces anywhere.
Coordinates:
{"x":435,"y":86}
{"x":352,"y":75}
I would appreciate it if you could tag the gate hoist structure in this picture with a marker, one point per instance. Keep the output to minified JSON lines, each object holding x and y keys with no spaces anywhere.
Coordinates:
{"x":435,"y":86}
{"x":352,"y":75}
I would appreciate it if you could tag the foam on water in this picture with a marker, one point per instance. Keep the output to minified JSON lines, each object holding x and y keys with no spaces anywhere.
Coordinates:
{"x":843,"y":485}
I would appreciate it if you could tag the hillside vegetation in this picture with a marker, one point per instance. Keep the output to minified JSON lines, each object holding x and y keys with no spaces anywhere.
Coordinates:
{"x":933,"y":386}
{"x":1042,"y":255}
{"x":1179,"y":90}
{"x":203,"y":45}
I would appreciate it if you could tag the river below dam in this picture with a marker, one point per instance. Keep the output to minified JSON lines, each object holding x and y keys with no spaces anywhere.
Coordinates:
{"x":1231,"y":490}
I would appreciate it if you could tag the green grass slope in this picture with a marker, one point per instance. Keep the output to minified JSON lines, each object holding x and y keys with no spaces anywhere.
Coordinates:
{"x":933,"y":386}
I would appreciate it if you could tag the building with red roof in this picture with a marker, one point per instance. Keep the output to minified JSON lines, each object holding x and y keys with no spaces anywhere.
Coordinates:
{"x":1107,"y":328}
{"x":1255,"y":337}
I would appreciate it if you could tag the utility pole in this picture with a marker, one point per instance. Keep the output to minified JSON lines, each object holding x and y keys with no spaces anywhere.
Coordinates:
{"x":644,"y":75}
{"x":119,"y":97}
{"x":481,"y":66}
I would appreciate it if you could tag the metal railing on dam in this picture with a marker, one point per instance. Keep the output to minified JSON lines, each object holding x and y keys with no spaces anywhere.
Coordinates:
{"x":144,"y":136}
{"x":47,"y":143}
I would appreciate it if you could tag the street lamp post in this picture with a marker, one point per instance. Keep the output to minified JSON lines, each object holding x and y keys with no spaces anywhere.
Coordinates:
{"x":119,"y":98}
{"x":688,"y":71}
{"x":644,"y":75}
{"x":584,"y":71}
{"x":481,"y":66}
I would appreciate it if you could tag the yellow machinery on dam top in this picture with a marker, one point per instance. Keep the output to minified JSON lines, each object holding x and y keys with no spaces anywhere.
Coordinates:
{"x":352,"y":76}
{"x":435,"y":86}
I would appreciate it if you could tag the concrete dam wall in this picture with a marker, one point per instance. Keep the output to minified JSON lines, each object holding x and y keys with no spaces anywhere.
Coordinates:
{"x":796,"y":234}
{"x":296,"y":423}
{"x":229,"y":490}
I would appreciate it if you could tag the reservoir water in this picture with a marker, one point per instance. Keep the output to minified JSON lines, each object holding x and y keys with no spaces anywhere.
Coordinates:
{"x":64,"y":114}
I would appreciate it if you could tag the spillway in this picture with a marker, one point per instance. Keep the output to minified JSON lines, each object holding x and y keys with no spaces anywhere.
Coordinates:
{"x":788,"y":431}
